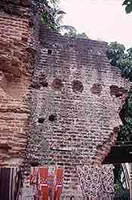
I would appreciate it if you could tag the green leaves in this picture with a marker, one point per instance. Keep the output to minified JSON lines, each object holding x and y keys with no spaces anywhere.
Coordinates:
{"x":128,"y":8}
{"x":49,"y":12}
{"x":122,"y":58}
{"x":71,"y":31}
{"x":128,"y":4}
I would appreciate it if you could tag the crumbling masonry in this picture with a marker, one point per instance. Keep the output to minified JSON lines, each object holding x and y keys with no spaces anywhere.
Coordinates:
{"x":59,"y":102}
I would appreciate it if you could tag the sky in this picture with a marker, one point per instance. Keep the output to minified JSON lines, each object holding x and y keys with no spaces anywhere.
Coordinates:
{"x":100,"y":19}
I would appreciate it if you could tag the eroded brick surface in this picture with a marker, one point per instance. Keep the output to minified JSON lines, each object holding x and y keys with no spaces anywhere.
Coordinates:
{"x":15,"y":78}
{"x":76,"y":98}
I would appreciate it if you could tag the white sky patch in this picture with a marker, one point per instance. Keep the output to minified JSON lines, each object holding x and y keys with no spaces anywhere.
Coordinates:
{"x":99,"y":19}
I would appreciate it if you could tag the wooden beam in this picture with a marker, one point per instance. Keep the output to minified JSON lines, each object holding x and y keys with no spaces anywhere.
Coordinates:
{"x":119,"y":154}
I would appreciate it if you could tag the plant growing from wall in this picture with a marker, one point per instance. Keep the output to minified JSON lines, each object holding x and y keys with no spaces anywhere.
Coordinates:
{"x":49,"y":12}
{"x":71,"y":31}
{"x":122,"y":58}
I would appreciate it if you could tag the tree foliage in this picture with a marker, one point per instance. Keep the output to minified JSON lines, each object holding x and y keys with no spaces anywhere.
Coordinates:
{"x":128,"y":5}
{"x":49,"y":12}
{"x":71,"y":31}
{"x":122,"y":58}
{"x":52,"y":15}
{"x":126,"y":117}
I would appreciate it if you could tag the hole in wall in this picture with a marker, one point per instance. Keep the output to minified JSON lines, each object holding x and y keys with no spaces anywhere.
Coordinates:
{"x":96,"y":88}
{"x":42,"y":80}
{"x":44,"y":83}
{"x":117,"y":91}
{"x":41,"y":120}
{"x":34,"y":164}
{"x":49,"y":51}
{"x":35,"y":85}
{"x":31,"y":23}
{"x":57,"y":84}
{"x":77,"y":86}
{"x":24,"y":39}
{"x":52,"y":117}
{"x":72,"y":198}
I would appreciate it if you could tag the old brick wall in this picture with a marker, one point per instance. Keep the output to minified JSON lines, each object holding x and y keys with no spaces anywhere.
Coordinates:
{"x":76,"y":98}
{"x":15,"y":76}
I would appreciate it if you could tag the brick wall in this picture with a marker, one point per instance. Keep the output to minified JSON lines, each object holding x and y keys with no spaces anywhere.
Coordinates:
{"x":76,"y":98}
{"x":75,"y":106}
{"x":15,"y":77}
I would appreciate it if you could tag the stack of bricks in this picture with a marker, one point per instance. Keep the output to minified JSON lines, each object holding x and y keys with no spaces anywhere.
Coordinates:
{"x":15,"y":78}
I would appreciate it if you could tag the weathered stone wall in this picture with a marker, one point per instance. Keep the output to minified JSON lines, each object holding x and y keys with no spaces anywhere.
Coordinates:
{"x":15,"y":76}
{"x":76,"y":98}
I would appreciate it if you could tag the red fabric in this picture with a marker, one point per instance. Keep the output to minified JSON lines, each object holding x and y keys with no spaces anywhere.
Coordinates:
{"x":47,"y":186}
{"x":44,"y":191}
{"x":43,"y":173}
{"x":59,"y":182}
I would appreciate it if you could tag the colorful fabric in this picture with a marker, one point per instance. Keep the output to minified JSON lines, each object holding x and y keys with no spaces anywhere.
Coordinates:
{"x":97,"y":182}
{"x":59,"y":183}
{"x":46,"y":183}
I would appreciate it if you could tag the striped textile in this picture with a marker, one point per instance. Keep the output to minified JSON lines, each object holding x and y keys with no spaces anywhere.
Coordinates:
{"x":47,"y":185}
{"x":10,"y":183}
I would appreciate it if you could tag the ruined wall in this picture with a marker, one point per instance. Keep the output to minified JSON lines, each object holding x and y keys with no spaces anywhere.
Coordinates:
{"x":15,"y":76}
{"x":76,"y":97}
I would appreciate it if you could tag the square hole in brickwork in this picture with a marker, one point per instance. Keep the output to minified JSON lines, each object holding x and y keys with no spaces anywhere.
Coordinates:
{"x":52,"y":117}
{"x":49,"y":51}
{"x":41,"y":120}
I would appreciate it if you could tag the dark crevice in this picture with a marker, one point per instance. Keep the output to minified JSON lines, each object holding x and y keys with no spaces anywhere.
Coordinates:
{"x":49,"y":51}
{"x":52,"y":117}
{"x":41,"y":120}
{"x":57,"y":84}
{"x":77,"y":86}
{"x":44,"y":83}
{"x":117,"y":91}
{"x":34,"y":164}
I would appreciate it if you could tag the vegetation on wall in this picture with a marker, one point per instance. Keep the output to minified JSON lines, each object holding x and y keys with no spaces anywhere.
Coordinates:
{"x":50,"y":12}
{"x":122,"y":58}
{"x":126,"y":117}
{"x":52,"y":15}
{"x":71,"y":31}
{"x":128,"y":5}
{"x":117,"y":54}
